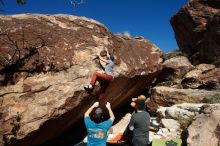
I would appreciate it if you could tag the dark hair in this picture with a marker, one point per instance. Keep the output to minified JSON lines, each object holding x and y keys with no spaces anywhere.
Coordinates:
{"x":98,"y":115}
{"x":103,"y":53}
{"x":140,"y":104}
{"x":111,"y":56}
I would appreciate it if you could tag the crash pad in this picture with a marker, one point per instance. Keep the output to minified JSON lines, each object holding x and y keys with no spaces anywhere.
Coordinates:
{"x":116,"y":138}
{"x":167,"y":142}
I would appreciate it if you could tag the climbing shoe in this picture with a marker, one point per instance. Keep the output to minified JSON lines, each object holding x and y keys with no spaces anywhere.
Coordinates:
{"x":88,"y":86}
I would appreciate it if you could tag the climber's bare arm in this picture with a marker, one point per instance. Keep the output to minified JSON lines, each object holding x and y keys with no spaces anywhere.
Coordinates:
{"x":96,"y":104}
{"x":111,"y":114}
{"x":102,"y":59}
{"x":107,"y":52}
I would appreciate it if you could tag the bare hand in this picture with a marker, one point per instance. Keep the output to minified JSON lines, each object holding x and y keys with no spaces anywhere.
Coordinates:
{"x":108,"y":105}
{"x":96,"y":104}
{"x":133,"y":99}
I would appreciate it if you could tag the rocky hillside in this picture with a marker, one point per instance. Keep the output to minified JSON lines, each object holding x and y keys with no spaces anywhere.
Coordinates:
{"x":44,"y":62}
{"x":186,"y":98}
{"x":187,"y":83}
{"x":186,"y":95}
{"x":197,"y":30}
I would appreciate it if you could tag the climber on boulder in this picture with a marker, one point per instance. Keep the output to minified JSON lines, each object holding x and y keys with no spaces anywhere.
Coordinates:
{"x":107,"y":62}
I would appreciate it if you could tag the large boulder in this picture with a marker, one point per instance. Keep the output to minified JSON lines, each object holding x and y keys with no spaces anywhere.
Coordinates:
{"x":205,"y":128}
{"x":170,"y":124}
{"x":203,"y":76}
{"x":179,"y":64}
{"x":173,"y":70}
{"x":183,"y":113}
{"x":168,"y":96}
{"x":197,"y":30}
{"x":200,"y":121}
{"x":44,"y":62}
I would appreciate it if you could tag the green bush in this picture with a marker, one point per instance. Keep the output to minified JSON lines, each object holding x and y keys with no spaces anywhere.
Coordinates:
{"x":174,"y":53}
{"x":171,"y":78}
{"x":212,"y":99}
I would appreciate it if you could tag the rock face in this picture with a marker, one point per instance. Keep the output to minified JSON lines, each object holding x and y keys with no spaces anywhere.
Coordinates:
{"x":203,"y":76}
{"x":183,"y":113}
{"x":197,"y":30}
{"x":180,"y":81}
{"x":179,"y":64}
{"x":170,"y":124}
{"x":168,"y":96}
{"x":205,"y":130}
{"x":44,"y":62}
{"x":202,"y":122}
{"x":173,"y":70}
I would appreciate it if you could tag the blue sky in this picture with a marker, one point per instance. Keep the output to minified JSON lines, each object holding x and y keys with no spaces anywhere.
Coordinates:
{"x":148,"y":18}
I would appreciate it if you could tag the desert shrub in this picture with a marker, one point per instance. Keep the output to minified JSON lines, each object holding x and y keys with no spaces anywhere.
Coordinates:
{"x":174,"y":53}
{"x":212,"y":99}
{"x":171,"y":78}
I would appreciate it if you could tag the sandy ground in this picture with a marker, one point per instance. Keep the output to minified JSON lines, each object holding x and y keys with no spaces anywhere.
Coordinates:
{"x":162,"y":133}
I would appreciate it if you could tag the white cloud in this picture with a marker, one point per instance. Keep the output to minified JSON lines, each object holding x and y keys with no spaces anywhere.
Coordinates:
{"x":126,"y":33}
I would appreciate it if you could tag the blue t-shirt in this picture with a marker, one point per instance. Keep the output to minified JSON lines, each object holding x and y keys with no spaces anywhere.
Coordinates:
{"x":109,"y":67}
{"x":97,"y":133}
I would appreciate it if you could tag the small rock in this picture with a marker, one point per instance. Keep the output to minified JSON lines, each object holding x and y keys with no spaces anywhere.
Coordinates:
{"x":170,"y":124}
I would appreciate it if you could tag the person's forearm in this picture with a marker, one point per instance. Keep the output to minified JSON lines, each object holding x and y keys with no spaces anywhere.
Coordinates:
{"x":107,"y":52}
{"x":89,"y":111}
{"x":111,"y":114}
{"x":104,"y":60}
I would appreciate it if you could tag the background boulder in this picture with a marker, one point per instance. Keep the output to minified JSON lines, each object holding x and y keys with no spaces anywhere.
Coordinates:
{"x":183,"y":113}
{"x":179,"y":64}
{"x":168,"y":96}
{"x":204,"y":76}
{"x":197,"y":31}
{"x":205,"y":129}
